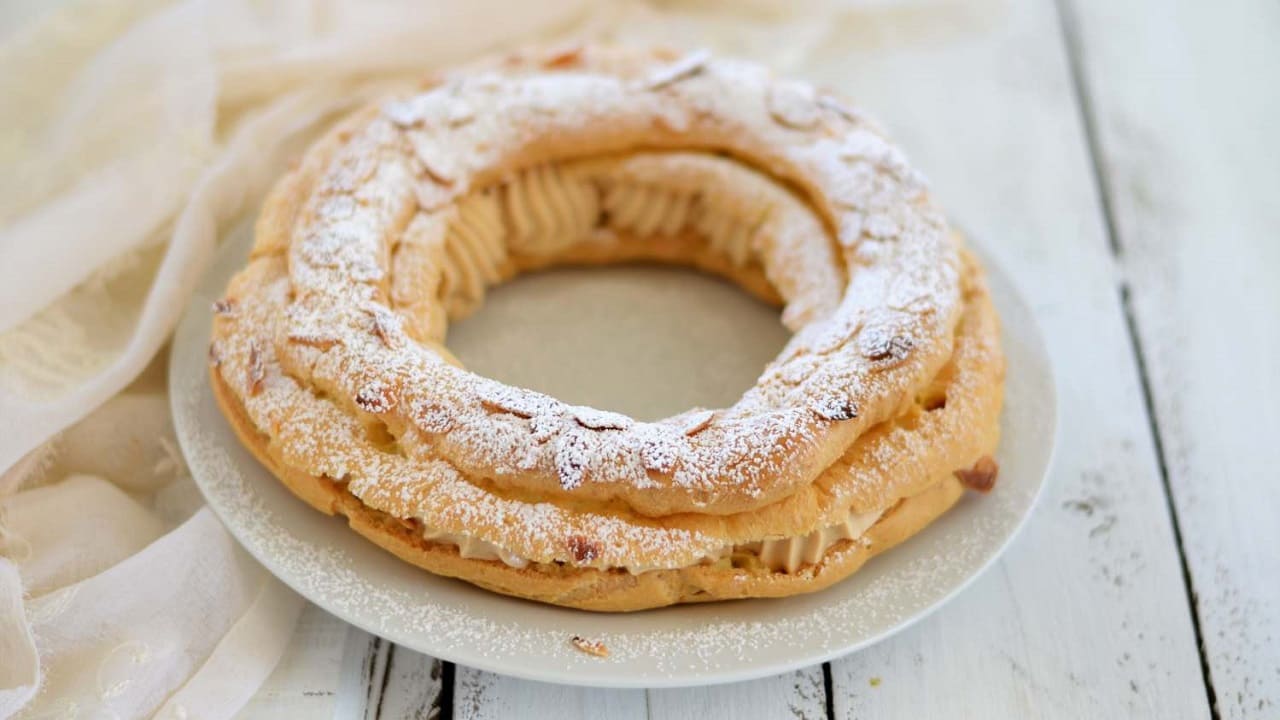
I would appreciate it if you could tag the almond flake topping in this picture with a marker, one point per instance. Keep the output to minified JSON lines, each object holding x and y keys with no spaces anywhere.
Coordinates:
{"x":593,"y":419}
{"x":876,"y":344}
{"x":697,"y":422}
{"x":460,"y":113}
{"x":375,"y":398}
{"x":792,"y":105}
{"x":981,"y":477}
{"x":257,"y":368}
{"x":320,"y":342}
{"x":563,"y":58}
{"x":829,"y":103}
{"x":836,"y":409}
{"x":402,"y":114}
{"x":437,"y":175}
{"x":514,"y":402}
{"x":583,"y":550}
{"x":590,"y":647}
{"x":383,"y":325}
{"x":685,"y":67}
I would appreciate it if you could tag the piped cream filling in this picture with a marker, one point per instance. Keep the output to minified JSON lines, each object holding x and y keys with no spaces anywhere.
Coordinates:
{"x":786,"y":554}
{"x":458,"y":251}
{"x":545,"y":209}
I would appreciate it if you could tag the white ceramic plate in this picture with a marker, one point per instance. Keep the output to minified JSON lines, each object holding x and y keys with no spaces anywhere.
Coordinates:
{"x":649,"y":342}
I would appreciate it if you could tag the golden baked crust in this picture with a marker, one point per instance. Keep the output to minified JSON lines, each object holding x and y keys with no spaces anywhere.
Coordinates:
{"x":328,"y":352}
{"x":607,"y":590}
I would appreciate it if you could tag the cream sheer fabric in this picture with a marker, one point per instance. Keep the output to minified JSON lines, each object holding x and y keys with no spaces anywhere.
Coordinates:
{"x":131,"y":133}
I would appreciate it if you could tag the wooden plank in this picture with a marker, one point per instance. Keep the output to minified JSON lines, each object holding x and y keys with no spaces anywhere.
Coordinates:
{"x":1087,"y":614}
{"x":305,"y":684}
{"x":332,"y":669}
{"x":478,"y":695}
{"x":798,"y":695}
{"x":1184,"y":99}
{"x":364,"y":665}
{"x":411,"y":687}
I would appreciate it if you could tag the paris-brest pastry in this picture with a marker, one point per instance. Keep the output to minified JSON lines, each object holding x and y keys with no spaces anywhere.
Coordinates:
{"x":328,"y":352}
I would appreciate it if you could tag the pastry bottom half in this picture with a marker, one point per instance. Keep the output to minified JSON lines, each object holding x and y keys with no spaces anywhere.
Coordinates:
{"x":604,"y":590}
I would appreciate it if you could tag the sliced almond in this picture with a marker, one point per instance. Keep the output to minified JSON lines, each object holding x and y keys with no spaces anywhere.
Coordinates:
{"x":697,"y":422}
{"x":982,"y":476}
{"x":375,"y":398}
{"x":383,"y":326}
{"x":836,"y":409}
{"x":518,"y":402}
{"x":257,"y":369}
{"x":792,"y":105}
{"x":319,"y":342}
{"x":879,"y":345}
{"x":686,"y":67}
{"x":460,"y":112}
{"x":563,"y":58}
{"x":436,"y":174}
{"x":590,"y":647}
{"x":582,"y":549}
{"x":593,"y":419}
{"x":827,"y":102}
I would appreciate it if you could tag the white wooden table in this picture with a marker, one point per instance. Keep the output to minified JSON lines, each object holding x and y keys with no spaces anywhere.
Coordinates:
{"x":1122,"y":160}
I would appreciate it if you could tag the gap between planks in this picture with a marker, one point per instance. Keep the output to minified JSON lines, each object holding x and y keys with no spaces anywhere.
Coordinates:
{"x":401,"y":684}
{"x":1071,"y":40}
{"x":1091,"y":619}
{"x":1184,"y":100}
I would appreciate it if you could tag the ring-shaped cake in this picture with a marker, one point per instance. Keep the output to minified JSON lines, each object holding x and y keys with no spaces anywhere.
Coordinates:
{"x":328,"y":351}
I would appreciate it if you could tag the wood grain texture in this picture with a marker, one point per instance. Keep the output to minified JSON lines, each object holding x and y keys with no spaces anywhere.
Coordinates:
{"x":1185,"y":102}
{"x":799,"y":695}
{"x":1087,"y":615}
{"x":479,"y":695}
{"x":411,"y":687}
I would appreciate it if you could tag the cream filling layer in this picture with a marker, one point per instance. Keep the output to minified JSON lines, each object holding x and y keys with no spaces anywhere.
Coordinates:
{"x":545,"y":209}
{"x":785,"y":554}
{"x":461,"y":249}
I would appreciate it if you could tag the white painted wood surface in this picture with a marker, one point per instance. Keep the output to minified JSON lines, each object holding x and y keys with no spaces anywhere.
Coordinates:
{"x":1087,"y":614}
{"x":1107,"y":154}
{"x":1185,"y":98}
{"x":799,"y":695}
{"x":480,"y":695}
{"x":411,"y":686}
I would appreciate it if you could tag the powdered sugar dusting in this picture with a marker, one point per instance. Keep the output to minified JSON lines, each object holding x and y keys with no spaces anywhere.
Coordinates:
{"x":416,"y":212}
{"x":352,"y":579}
{"x":424,"y":154}
{"x":689,"y":645}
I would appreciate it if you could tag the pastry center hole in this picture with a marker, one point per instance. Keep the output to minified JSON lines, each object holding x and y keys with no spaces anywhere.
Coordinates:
{"x":645,"y":341}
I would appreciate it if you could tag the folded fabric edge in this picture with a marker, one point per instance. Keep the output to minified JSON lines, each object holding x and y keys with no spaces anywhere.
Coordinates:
{"x":242,"y":660}
{"x":20,"y":669}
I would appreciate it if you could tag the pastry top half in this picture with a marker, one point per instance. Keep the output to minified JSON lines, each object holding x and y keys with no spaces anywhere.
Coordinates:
{"x":331,"y":339}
